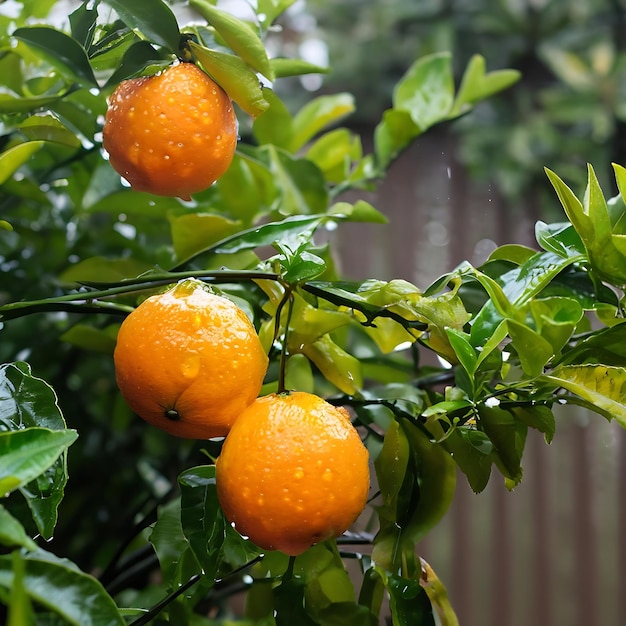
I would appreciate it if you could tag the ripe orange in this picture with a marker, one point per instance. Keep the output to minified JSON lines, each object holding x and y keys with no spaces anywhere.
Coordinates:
{"x":292,"y":472}
{"x":189,"y":361}
{"x":171,"y":134}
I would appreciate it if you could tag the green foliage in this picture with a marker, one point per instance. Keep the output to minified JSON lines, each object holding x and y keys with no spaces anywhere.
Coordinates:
{"x":527,"y":329}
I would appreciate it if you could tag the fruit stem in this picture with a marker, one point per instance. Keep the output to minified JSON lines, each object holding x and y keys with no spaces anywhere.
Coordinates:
{"x":284,"y":351}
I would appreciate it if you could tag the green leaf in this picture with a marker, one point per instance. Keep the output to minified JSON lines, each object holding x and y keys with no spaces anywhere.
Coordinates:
{"x":426,"y":91}
{"x":239,"y":35}
{"x":202,"y":521}
{"x":556,"y":319}
{"x":300,"y":183}
{"x":91,"y":338}
{"x":139,"y":56}
{"x":289,"y":603}
{"x":338,"y":366}
{"x":304,"y":266}
{"x":393,"y":133}
{"x":234,"y":76}
{"x":268,"y":234}
{"x":436,"y":475}
{"x":334,"y":152}
{"x":57,"y":584}
{"x":275,"y":125}
{"x":19,"y":104}
{"x":391,"y":466}
{"x":103,"y":269}
{"x":508,"y":437}
{"x":151,"y":18}
{"x":194,"y":232}
{"x":472,"y":452}
{"x":409,"y":603}
{"x":317,"y":115}
{"x":437,"y":595}
{"x":12,"y":532}
{"x":573,"y":207}
{"x":360,"y":211}
{"x":283,"y":67}
{"x":48,"y":128}
{"x":61,"y":51}
{"x":477,"y":85}
{"x":560,"y":238}
{"x":27,"y":401}
{"x":533,"y":350}
{"x":515,"y":253}
{"x":539,"y":417}
{"x":26,"y":454}
{"x":268,"y":10}
{"x":177,"y":562}
{"x":463,"y":349}
{"x":603,"y":387}
{"x":606,"y":346}
{"x":83,"y":23}
{"x":13,"y":158}
{"x":20,"y":608}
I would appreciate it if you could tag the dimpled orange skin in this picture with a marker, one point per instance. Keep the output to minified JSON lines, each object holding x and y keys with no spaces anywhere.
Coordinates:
{"x":292,"y":472}
{"x":171,"y":134}
{"x":189,"y":362}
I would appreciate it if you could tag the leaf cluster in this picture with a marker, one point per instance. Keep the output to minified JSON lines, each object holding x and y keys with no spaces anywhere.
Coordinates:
{"x":528,"y":329}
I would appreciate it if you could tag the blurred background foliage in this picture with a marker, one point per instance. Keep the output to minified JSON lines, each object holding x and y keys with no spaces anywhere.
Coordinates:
{"x":569,"y":107}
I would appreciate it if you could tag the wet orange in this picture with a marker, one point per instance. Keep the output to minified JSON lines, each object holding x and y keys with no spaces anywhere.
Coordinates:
{"x":189,"y":361}
{"x":171,"y":134}
{"x":292,"y":472}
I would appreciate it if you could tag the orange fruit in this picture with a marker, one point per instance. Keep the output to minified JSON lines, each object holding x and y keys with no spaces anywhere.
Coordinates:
{"x":189,"y":361}
{"x":293,"y":471}
{"x":171,"y":134}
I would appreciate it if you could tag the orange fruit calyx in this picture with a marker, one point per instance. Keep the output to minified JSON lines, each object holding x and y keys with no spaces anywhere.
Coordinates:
{"x":171,"y":134}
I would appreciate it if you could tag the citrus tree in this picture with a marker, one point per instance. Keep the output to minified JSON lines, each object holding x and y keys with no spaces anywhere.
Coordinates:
{"x":217,"y":309}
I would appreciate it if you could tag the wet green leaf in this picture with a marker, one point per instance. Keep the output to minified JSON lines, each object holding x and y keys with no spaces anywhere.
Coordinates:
{"x":508,"y":437}
{"x":394,"y":133}
{"x":284,"y":67}
{"x":533,"y":350}
{"x":13,"y":158}
{"x":391,"y":466}
{"x":338,"y":366}
{"x":60,"y":50}
{"x":26,"y":454}
{"x":25,"y":402}
{"x":48,"y":128}
{"x":539,"y":417}
{"x":194,"y":232}
{"x":426,"y":91}
{"x":202,"y":521}
{"x":334,"y":152}
{"x":301,"y":185}
{"x":12,"y":532}
{"x":152,"y":18}
{"x":603,"y":387}
{"x":477,"y":84}
{"x":275,"y":126}
{"x":61,"y":587}
{"x":239,"y":35}
{"x":410,"y":605}
{"x":317,"y":115}
{"x":101,"y":269}
{"x":560,"y":238}
{"x":472,"y":452}
{"x":234,"y":76}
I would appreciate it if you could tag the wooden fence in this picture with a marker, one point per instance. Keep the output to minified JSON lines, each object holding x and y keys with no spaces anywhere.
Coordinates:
{"x":553,"y":551}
